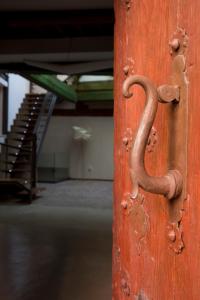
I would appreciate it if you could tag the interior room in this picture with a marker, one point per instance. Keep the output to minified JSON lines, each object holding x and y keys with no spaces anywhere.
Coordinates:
{"x":56,"y":157}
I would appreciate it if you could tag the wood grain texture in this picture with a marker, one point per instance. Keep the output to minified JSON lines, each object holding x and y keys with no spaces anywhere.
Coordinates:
{"x":144,"y":267}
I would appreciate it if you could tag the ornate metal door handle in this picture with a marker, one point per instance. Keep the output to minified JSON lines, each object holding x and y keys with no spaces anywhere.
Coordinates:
{"x":170,"y":185}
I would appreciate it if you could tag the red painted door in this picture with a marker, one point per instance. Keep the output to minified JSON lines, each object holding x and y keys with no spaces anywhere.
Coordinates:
{"x":156,"y":249}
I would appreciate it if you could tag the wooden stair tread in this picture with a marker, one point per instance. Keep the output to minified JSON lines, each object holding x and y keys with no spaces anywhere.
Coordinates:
{"x":12,"y":180}
{"x":14,"y":183}
{"x":16,"y":170}
{"x":10,"y":162}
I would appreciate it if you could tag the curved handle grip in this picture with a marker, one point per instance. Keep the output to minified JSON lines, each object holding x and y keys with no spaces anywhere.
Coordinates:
{"x":169,"y":185}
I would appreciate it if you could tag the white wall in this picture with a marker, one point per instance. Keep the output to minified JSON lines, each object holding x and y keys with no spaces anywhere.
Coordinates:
{"x":87,"y":160}
{"x":36,"y":89}
{"x":18,"y":87}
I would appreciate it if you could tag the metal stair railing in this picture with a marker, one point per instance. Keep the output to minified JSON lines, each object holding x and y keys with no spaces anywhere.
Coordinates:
{"x":43,"y":120}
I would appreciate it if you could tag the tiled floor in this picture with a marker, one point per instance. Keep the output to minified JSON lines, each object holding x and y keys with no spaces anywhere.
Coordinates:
{"x":59,"y":247}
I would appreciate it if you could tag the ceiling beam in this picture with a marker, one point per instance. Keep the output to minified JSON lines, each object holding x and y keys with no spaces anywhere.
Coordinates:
{"x":51,"y":5}
{"x":65,"y":45}
{"x":73,"y":69}
{"x":95,"y":96}
{"x":94,"y":85}
{"x":26,"y":70}
{"x":63,"y":23}
{"x":78,"y":16}
{"x":53,"y":84}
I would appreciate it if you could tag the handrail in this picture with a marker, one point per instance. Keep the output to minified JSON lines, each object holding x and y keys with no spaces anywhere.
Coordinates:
{"x":45,"y":115}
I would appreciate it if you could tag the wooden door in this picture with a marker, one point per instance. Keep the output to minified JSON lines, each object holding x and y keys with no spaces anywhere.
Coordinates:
{"x":155,"y":257}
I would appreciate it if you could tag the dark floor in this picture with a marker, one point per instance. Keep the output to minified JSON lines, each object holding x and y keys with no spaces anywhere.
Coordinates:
{"x":59,"y":247}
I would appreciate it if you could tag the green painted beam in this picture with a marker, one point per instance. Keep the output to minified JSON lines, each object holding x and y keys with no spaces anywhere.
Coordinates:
{"x":83,"y":91}
{"x":95,"y":96}
{"x":95,"y":91}
{"x":94,"y":86}
{"x":56,"y":86}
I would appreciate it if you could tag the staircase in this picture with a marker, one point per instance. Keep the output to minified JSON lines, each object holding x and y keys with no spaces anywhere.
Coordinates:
{"x":21,"y":149}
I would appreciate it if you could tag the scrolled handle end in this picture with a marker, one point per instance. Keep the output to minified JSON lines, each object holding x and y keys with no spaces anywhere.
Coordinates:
{"x":126,"y":86}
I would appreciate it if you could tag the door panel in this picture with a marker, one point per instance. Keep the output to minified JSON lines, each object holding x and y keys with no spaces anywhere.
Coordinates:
{"x":145,"y":265}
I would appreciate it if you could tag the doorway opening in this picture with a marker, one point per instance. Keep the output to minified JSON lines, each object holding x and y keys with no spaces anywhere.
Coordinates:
{"x":59,"y":246}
